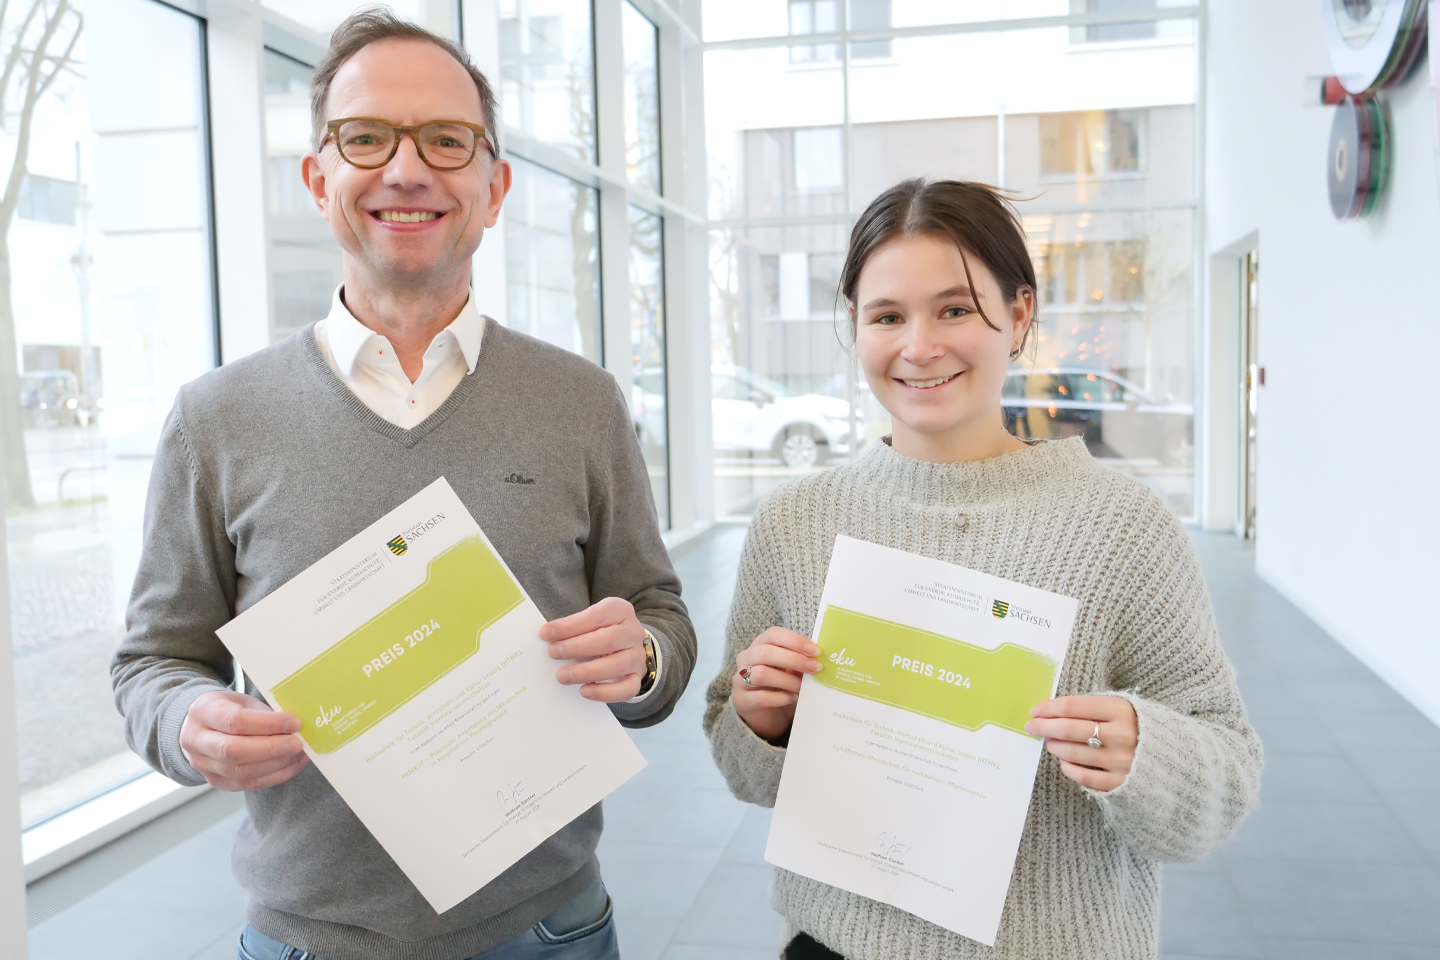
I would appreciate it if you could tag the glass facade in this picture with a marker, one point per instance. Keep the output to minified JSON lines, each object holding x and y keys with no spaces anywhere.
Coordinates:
{"x":547,"y":73}
{"x":642,"y":99}
{"x":1101,"y":170}
{"x":107,"y":300}
{"x":649,"y":385}
{"x":552,"y":259}
{"x":323,"y":16}
{"x":305,"y":264}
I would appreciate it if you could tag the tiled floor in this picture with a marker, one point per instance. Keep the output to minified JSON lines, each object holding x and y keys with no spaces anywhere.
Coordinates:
{"x":1342,"y":861}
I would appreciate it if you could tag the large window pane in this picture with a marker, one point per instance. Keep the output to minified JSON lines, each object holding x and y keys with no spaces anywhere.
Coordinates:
{"x":649,"y":386}
{"x":781,"y":378}
{"x":547,"y":72}
{"x":1114,"y":361}
{"x":107,"y":312}
{"x":305,"y":265}
{"x":772,"y":134}
{"x":552,"y":259}
{"x":642,"y":99}
{"x":1102,"y":170}
{"x":324,"y":16}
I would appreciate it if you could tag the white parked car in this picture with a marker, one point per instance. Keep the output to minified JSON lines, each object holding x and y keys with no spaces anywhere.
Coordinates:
{"x":754,"y":414}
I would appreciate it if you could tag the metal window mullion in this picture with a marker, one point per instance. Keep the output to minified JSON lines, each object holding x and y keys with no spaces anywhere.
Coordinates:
{"x":608,"y":175}
{"x":687,"y":388}
{"x":947,"y":29}
{"x":852,"y":372}
{"x":1200,"y":325}
{"x":558,"y":161}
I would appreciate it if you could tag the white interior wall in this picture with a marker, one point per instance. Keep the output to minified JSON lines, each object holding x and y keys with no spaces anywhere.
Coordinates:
{"x":1347,"y":511}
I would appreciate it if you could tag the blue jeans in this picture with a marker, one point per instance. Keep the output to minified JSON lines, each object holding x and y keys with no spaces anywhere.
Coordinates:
{"x":583,"y":929}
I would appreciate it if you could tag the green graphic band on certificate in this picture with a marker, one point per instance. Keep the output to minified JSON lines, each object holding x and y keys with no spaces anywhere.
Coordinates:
{"x":402,"y":650}
{"x":930,"y":674}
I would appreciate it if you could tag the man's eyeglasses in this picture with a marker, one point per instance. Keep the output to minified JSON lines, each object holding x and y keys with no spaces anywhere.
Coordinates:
{"x":369,"y":143}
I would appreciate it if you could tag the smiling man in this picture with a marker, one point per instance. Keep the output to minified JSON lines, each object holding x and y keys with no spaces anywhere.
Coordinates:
{"x":271,"y":462}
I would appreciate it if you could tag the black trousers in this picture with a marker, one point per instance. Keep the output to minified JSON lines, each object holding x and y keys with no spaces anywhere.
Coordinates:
{"x":806,"y":947}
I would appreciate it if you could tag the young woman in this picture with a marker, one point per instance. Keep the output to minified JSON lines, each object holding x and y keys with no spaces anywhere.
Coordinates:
{"x":941,"y":295}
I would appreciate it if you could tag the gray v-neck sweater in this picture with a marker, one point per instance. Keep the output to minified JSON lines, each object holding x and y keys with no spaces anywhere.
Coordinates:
{"x":1086,"y":884}
{"x":269,"y":463}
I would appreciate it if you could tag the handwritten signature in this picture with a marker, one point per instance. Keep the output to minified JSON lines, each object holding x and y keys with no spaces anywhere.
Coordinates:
{"x":512,"y":794}
{"x":890,"y":845}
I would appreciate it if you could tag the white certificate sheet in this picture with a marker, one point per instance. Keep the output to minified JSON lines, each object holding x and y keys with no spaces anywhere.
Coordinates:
{"x":426,"y":697}
{"x":908,"y":773}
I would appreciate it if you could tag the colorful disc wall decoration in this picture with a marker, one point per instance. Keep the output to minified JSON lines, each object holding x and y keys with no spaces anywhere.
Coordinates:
{"x":1358,"y":158}
{"x":1373,"y":43}
{"x":1379,"y":165}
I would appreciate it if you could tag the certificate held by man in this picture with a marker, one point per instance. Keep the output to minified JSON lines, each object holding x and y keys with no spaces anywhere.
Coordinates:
{"x":908,"y":772}
{"x":412,"y":657}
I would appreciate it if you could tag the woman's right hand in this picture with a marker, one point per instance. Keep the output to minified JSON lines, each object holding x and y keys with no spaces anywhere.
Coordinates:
{"x":774,"y":664}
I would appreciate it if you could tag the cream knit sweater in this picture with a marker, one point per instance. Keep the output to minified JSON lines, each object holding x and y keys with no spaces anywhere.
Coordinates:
{"x":1087,"y":878}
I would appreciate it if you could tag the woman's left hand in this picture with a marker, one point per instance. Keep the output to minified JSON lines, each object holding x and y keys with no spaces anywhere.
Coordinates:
{"x":1068,"y":723}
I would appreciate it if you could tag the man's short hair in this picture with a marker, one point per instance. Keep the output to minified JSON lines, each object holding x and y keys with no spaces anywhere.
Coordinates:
{"x":372,"y":25}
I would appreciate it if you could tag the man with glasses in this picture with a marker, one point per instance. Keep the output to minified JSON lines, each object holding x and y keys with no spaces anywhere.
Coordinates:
{"x":269,"y":463}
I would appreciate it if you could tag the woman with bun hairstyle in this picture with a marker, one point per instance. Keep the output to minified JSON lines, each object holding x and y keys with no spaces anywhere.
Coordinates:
{"x":941,"y":297}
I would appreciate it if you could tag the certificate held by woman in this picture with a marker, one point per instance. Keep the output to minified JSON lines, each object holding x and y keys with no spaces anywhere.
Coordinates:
{"x":909,"y":771}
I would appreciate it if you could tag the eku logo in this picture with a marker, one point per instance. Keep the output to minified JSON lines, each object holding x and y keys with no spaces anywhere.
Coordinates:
{"x":398,"y":546}
{"x":999,"y":608}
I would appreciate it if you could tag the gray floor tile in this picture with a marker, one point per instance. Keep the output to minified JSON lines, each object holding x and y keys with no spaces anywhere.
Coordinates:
{"x":1364,"y":902}
{"x":662,"y":813}
{"x":653,"y":886}
{"x":1287,"y":948}
{"x":1298,"y":735}
{"x":695,"y":951}
{"x":1346,"y":832}
{"x":223,"y":948}
{"x":1303,"y":778}
{"x":748,"y":843}
{"x":171,"y":908}
{"x":1200,"y":914}
{"x":733,"y":910}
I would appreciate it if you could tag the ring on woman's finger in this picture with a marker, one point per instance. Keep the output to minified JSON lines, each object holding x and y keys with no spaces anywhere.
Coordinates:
{"x":1094,"y":741}
{"x":745,"y":675}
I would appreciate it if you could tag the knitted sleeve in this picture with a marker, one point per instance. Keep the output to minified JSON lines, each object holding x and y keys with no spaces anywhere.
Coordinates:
{"x":625,"y":557}
{"x":185,"y":590}
{"x":1197,"y":766}
{"x":749,"y":764}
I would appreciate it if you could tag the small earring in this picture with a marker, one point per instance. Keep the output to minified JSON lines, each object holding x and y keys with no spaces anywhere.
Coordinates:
{"x":1015,"y":354}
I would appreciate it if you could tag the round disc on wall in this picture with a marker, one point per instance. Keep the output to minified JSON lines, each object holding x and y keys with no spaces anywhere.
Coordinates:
{"x":1348,"y":166}
{"x":1372,"y":42}
{"x":1379,"y":153}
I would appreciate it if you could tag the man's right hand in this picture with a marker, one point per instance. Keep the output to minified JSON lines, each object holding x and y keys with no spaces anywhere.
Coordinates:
{"x":239,"y":743}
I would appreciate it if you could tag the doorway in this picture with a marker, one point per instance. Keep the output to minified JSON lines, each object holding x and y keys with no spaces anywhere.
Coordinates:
{"x":1252,"y":378}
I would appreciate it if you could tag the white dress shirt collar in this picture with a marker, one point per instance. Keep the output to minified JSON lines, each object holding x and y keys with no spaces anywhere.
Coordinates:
{"x":348,"y":336}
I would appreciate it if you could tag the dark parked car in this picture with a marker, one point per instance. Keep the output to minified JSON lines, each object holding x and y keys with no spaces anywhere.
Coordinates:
{"x":1118,"y":419}
{"x":49,"y":399}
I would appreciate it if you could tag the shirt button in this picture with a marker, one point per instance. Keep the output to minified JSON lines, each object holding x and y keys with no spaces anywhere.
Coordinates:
{"x":960,"y":520}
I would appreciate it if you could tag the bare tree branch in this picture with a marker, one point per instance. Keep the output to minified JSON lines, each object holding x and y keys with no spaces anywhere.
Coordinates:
{"x":36,"y":84}
{"x":13,"y":59}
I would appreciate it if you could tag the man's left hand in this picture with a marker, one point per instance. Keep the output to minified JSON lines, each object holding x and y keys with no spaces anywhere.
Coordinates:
{"x":1068,"y":723}
{"x":609,"y":642}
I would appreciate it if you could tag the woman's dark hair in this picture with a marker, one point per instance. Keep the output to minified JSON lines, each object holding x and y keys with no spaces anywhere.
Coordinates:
{"x":974,"y":216}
